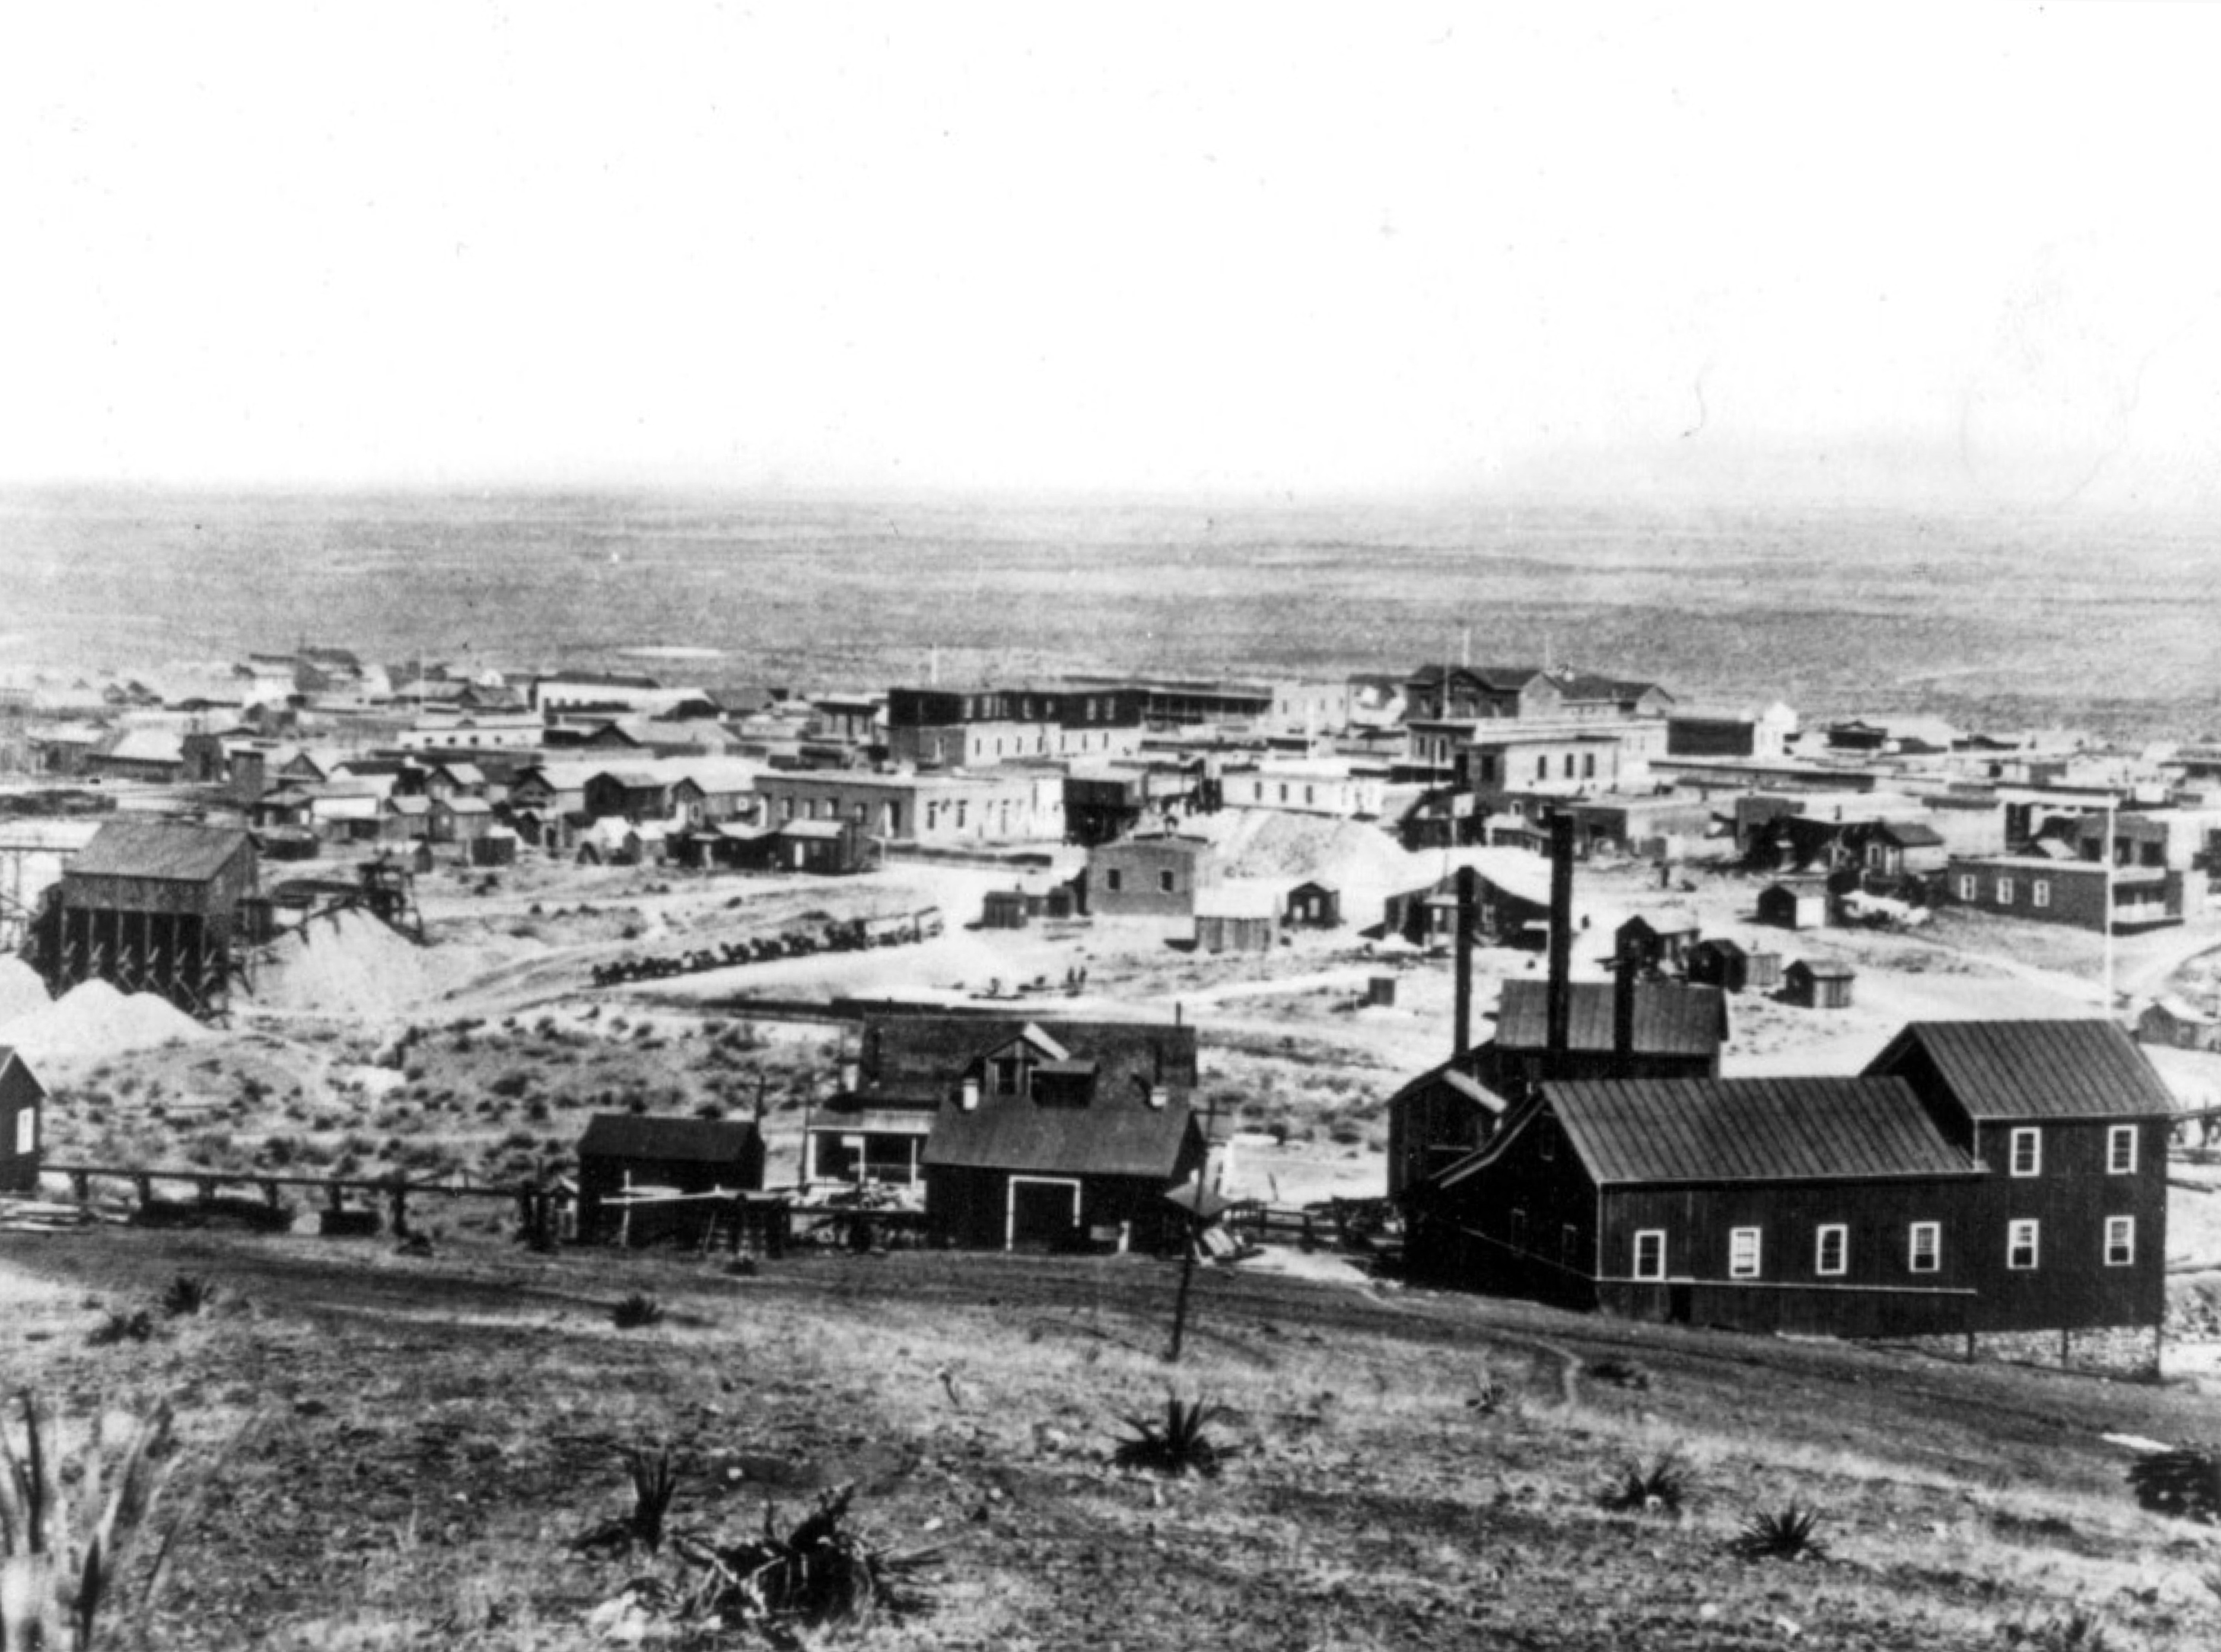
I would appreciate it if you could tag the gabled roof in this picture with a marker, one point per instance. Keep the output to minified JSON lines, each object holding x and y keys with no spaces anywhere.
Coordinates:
{"x":1909,"y":834}
{"x":1823,"y":969}
{"x":11,"y":1057}
{"x":1451,"y":1075}
{"x":1751,"y":1129}
{"x":164,"y":850}
{"x":145,"y":746}
{"x":2033,"y":1069}
{"x":1669,"y":1020}
{"x":1114,"y":1138}
{"x":643,"y":1136}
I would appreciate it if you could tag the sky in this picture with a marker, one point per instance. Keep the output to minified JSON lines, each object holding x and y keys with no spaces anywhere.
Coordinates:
{"x":1918,"y":252}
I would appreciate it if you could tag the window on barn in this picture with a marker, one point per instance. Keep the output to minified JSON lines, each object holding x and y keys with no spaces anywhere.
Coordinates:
{"x":2026,"y":1155}
{"x":2121,"y":1150}
{"x":1650,"y":1253}
{"x":1968,"y":885}
{"x":1742,"y":1254}
{"x":27,"y":1130}
{"x":2004,"y":891}
{"x":2039,"y":892}
{"x":1832,"y":1250}
{"x":2120,"y":1241}
{"x":2021,"y":1245}
{"x":1925,"y":1253}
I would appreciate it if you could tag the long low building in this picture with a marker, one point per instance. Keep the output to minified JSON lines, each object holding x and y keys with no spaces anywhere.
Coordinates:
{"x":1004,"y":805}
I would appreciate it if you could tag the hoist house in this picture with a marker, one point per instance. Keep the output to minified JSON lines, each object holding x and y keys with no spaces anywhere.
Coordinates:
{"x":150,"y":907}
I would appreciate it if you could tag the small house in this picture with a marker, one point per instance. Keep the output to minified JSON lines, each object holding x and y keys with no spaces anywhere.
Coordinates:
{"x":1660,"y":944}
{"x":22,"y":1123}
{"x":1818,"y":983}
{"x":1719,"y":962}
{"x":460,"y":819}
{"x":2180,"y":1025}
{"x":1149,"y":877}
{"x":1046,"y":1149}
{"x":1794,"y":905}
{"x":1314,"y":905}
{"x":1003,"y":909}
{"x":643,"y":1177}
{"x":828,"y":847}
{"x":1236,"y":917}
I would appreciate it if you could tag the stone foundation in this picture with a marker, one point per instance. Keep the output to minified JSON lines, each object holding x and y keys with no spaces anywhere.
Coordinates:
{"x":2113,"y":1351}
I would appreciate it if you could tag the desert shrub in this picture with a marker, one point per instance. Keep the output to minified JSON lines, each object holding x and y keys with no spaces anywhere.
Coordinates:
{"x":119,"y":1326}
{"x":822,"y":1574}
{"x":537,"y":1109}
{"x":1658,"y":1486}
{"x":2078,"y":1631}
{"x":1788,"y":1533}
{"x":1176,"y":1445}
{"x":512,"y":1085}
{"x":636,"y":1311}
{"x":2185,"y":1482}
{"x":188,"y":1293}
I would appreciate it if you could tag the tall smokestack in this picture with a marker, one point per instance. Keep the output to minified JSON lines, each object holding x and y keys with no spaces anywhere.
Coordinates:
{"x":1626,"y":967}
{"x":1468,"y":901}
{"x":1562,"y":941}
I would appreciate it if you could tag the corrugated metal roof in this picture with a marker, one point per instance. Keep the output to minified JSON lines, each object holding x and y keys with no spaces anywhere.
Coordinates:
{"x":644,"y":1136}
{"x":1751,"y":1129}
{"x":1669,"y":1020}
{"x":1013,"y":1133}
{"x":2035,"y":1069}
{"x":164,"y":850}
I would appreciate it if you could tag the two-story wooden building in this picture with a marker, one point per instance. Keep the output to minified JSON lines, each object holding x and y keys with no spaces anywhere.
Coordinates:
{"x":1997,"y":1180}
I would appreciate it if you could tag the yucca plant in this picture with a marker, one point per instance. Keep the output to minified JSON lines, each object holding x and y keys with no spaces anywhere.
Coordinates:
{"x":1785,"y":1534}
{"x":1177,"y":1445}
{"x":1658,"y":1486}
{"x":2185,"y":1482}
{"x":60,"y":1549}
{"x":654,"y":1484}
{"x":188,"y":1293}
{"x":636,"y":1311}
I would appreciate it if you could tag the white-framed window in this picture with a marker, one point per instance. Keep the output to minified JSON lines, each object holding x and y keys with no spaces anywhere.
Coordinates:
{"x":1969,"y":886}
{"x":1832,"y":1249}
{"x":2004,"y":891}
{"x":1650,"y":1253}
{"x":1925,"y":1250}
{"x":2039,"y":892}
{"x":2120,"y":1241}
{"x":1743,"y":1252}
{"x":2021,"y":1241}
{"x":2024,"y":1156}
{"x":2121,"y":1150}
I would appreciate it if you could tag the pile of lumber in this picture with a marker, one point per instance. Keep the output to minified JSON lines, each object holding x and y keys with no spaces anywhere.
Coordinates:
{"x":50,"y":1216}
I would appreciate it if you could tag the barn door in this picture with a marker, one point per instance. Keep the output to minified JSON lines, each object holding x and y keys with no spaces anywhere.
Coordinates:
{"x":1041,"y":1212}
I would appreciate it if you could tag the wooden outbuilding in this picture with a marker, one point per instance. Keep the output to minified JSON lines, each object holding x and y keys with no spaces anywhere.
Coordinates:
{"x":1818,"y":983}
{"x":1061,"y":1159}
{"x":1314,"y":905}
{"x":23,"y":1123}
{"x":1003,"y":909}
{"x":828,"y":847}
{"x":2180,"y":1025}
{"x":1719,"y":962}
{"x":1799,"y":905}
{"x":643,"y":1177}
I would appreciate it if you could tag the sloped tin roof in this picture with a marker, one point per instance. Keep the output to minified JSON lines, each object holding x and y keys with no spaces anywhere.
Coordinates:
{"x":1751,"y":1129}
{"x":158,"y":849}
{"x":2035,"y":1069}
{"x":1669,"y":1020}
{"x":644,"y":1136}
{"x":1112,"y":1138}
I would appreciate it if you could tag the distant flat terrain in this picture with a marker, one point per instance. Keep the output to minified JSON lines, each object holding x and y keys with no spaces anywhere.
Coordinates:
{"x":2001,"y":620}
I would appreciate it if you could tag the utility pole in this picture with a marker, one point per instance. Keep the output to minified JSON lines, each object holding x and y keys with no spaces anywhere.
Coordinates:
{"x":1187,"y":1249}
{"x":2106,"y":918}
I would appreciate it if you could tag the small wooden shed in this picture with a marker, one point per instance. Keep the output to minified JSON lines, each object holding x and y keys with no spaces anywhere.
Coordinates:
{"x":1818,"y":983}
{"x":1003,"y":909}
{"x":661,"y":1160}
{"x":22,"y":1123}
{"x":1799,"y":905}
{"x":829,"y":848}
{"x":1721,"y":963}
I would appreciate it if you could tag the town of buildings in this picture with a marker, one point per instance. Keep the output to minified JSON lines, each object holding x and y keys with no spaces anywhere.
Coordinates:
{"x":1589,"y":1150}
